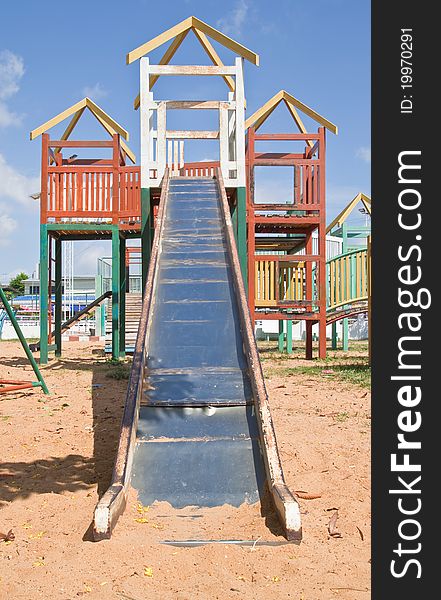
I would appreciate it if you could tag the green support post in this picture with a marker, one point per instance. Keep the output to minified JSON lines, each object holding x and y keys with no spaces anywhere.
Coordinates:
{"x":242,"y":231}
{"x":281,"y":337}
{"x":44,"y":300}
{"x":334,"y":336}
{"x":345,"y":322}
{"x":234,"y":220}
{"x":23,"y":342}
{"x":345,"y":335}
{"x":99,"y":309}
{"x":289,"y":336}
{"x":115,"y":292}
{"x":122,"y":297}
{"x":146,"y":235}
{"x":58,"y":297}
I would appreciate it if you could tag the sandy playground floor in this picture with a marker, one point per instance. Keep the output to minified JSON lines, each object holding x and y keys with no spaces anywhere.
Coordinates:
{"x":57,"y":456}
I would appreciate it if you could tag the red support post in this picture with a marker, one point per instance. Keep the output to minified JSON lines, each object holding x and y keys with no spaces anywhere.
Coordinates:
{"x":322,"y":246}
{"x":44,"y":177}
{"x":308,"y":336}
{"x":115,"y":184}
{"x":308,"y":291}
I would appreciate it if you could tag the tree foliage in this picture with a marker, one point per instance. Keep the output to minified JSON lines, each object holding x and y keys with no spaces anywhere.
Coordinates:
{"x":17,"y":284}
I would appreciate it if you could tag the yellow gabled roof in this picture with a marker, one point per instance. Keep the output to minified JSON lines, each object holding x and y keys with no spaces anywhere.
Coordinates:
{"x":184,"y":26}
{"x":341,"y":218}
{"x":178,"y":33}
{"x":109,"y":124}
{"x":261,"y":115}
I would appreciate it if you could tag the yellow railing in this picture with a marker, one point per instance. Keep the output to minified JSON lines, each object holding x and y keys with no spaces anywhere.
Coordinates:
{"x":277,"y":282}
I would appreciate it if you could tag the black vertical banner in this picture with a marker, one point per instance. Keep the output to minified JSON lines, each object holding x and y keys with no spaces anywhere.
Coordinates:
{"x":406,"y":251}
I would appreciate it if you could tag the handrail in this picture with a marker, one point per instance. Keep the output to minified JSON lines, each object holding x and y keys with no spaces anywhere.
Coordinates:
{"x":349,"y":253}
{"x":112,"y":504}
{"x":76,"y":317}
{"x":347,"y":278}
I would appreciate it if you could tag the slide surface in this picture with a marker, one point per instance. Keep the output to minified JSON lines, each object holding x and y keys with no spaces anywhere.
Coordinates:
{"x":196,"y":429}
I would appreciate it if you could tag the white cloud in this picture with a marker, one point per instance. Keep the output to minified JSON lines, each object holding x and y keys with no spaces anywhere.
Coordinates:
{"x":11,"y":72}
{"x":8,"y":118}
{"x":95,"y":92}
{"x":86,"y":259}
{"x":364,"y":152}
{"x":7,"y":226}
{"x":233,"y":23}
{"x":16,"y":186}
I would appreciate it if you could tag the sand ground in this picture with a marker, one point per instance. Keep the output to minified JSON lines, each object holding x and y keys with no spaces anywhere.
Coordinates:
{"x":56,"y":459}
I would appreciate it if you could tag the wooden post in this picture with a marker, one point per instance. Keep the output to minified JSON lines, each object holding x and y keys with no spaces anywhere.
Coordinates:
{"x":289,"y":336}
{"x":43,"y":294}
{"x":44,"y":177}
{"x":122,"y":296}
{"x":161,"y":141}
{"x":146,"y":241}
{"x":242,"y":232}
{"x":115,"y":179}
{"x":322,"y":247}
{"x":145,"y":122}
{"x":308,"y":340}
{"x":223,"y":142}
{"x":101,"y":307}
{"x":239,"y":94}
{"x":308,"y":293}
{"x":116,"y":287}
{"x":49,"y":301}
{"x":58,"y":296}
{"x":334,"y":336}
{"x":345,"y":322}
{"x":281,"y":338}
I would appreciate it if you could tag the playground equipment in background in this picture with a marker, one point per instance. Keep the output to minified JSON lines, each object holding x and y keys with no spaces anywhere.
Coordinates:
{"x":9,"y":385}
{"x":349,"y":277}
{"x":78,"y":316}
{"x":282,"y":229}
{"x":3,"y":317}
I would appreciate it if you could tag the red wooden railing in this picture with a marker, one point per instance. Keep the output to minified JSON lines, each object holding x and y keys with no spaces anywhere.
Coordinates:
{"x":129,"y":209}
{"x":200,"y":169}
{"x":96,"y":190}
{"x":79,"y":192}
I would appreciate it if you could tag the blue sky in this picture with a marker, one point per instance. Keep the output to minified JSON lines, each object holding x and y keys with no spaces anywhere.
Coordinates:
{"x":52,"y":55}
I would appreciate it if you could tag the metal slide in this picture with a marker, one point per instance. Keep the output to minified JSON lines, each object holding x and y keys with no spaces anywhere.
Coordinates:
{"x":196,"y":429}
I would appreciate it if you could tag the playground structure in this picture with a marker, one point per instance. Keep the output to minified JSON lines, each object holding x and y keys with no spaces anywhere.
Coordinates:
{"x":349,"y":274}
{"x":8,"y":385}
{"x":208,"y":212}
{"x":281,"y":284}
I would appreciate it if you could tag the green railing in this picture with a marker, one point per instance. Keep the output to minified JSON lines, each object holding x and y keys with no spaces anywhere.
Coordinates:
{"x":347,"y":279}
